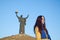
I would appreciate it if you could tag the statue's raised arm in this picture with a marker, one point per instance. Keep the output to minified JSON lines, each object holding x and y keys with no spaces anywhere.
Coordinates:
{"x":27,"y":16}
{"x":16,"y":14}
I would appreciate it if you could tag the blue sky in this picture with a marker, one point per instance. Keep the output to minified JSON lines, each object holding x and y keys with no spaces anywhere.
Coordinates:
{"x":9,"y":24}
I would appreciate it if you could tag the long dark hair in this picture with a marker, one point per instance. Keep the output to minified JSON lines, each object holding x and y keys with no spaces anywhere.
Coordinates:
{"x":39,"y":24}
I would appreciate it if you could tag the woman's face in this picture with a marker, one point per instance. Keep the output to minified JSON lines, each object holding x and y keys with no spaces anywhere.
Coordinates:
{"x":42,"y":20}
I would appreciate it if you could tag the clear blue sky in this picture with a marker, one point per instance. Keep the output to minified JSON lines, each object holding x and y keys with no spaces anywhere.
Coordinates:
{"x":9,"y":24}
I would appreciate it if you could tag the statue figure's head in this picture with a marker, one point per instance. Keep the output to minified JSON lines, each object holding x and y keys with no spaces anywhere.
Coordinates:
{"x":21,"y":15}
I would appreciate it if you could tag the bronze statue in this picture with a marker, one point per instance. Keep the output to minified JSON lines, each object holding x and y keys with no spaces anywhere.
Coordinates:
{"x":22,"y":23}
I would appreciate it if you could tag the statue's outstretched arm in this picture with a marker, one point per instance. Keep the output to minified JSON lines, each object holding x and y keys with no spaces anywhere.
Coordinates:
{"x":17,"y":16}
{"x":27,"y":16}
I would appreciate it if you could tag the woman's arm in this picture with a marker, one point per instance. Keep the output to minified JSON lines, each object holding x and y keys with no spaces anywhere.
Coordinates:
{"x":38,"y":35}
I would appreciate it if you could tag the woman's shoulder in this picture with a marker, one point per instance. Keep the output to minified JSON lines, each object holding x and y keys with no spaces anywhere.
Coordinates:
{"x":36,"y":29}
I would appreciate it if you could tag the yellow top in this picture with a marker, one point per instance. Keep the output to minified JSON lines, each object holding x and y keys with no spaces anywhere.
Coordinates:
{"x":38,"y":34}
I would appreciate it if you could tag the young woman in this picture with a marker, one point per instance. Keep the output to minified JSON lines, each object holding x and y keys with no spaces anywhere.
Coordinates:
{"x":40,"y":29}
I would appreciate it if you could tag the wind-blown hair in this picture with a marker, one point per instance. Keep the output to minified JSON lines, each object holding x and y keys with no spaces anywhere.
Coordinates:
{"x":39,"y":24}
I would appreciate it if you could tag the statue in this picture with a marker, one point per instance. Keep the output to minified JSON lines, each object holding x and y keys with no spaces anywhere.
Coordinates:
{"x":22,"y":22}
